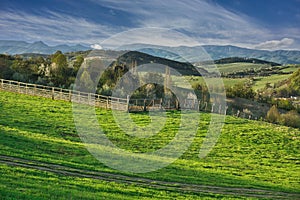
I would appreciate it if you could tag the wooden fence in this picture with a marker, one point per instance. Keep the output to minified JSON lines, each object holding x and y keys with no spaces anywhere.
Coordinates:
{"x":107,"y":102}
{"x":56,"y":93}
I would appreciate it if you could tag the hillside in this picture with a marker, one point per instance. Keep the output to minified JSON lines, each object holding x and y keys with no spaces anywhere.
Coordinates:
{"x":143,"y":58}
{"x":38,"y":137}
{"x":293,"y":83}
{"x":244,"y":60}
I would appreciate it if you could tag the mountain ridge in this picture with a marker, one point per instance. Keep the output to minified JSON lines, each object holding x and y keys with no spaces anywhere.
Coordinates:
{"x":216,"y":52}
{"x":20,"y":47}
{"x":190,"y":54}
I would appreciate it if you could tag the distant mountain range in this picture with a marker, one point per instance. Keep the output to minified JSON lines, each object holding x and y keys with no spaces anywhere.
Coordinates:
{"x":279,"y":56}
{"x":215,"y":52}
{"x":21,"y":47}
{"x":181,"y":53}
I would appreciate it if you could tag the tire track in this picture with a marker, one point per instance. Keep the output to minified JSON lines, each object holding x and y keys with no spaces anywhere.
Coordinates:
{"x":145,"y":182}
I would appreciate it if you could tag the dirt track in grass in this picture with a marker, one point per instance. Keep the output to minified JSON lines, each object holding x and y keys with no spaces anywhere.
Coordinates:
{"x":162,"y":185}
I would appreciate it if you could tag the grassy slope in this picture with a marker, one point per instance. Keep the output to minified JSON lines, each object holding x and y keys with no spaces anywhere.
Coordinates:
{"x":234,"y":67}
{"x":228,"y":82}
{"x":260,"y":82}
{"x":248,"y":154}
{"x":22,"y":183}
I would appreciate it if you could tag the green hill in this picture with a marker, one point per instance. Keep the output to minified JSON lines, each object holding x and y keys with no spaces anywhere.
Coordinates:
{"x":294,"y":82}
{"x":42,"y":157}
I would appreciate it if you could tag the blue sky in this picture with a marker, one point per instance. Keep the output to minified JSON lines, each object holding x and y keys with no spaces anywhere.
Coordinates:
{"x":261,"y":24}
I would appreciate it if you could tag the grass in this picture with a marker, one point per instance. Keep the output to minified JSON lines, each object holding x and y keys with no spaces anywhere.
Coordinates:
{"x":228,"y":82}
{"x":22,"y":183}
{"x":235,"y":67}
{"x":291,"y":68}
{"x":261,"y":82}
{"x":248,"y":153}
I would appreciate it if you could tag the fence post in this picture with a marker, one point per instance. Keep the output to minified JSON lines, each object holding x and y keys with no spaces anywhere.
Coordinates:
{"x":212,"y":107}
{"x":52,"y":93}
{"x":145,"y":109}
{"x":194,"y":104}
{"x":26,"y":88}
{"x":60,"y":94}
{"x":89,"y":98}
{"x":128,"y":97}
{"x":107,"y":102}
{"x":160,"y":103}
{"x":226,"y":108}
{"x":19,"y":87}
{"x":70,"y":95}
{"x":177,"y":104}
{"x":97,"y":103}
{"x":1,"y":83}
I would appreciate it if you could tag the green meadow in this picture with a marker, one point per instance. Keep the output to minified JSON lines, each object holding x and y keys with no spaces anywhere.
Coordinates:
{"x":248,"y":154}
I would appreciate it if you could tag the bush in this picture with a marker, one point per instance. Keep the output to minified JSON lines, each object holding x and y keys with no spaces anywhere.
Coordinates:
{"x":292,"y":118}
{"x":240,"y":90}
{"x":283,"y":104}
{"x":273,"y":115}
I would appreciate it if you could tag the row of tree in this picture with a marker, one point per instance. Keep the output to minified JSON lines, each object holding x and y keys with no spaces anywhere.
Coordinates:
{"x":53,"y":70}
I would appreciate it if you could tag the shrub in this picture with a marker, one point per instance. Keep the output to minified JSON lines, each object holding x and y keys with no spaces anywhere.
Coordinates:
{"x":273,"y":115}
{"x":292,"y":118}
{"x":283,"y":104}
{"x":240,"y":90}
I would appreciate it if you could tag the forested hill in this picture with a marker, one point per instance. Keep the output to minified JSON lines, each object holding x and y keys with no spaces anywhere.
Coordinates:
{"x":244,"y":60}
{"x":143,"y":58}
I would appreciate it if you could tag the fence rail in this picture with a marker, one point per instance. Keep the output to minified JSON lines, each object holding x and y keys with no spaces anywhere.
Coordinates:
{"x":102,"y":101}
{"x":107,"y":102}
{"x":56,"y":93}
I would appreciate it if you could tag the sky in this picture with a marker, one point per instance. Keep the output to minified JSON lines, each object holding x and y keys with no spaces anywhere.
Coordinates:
{"x":259,"y":24}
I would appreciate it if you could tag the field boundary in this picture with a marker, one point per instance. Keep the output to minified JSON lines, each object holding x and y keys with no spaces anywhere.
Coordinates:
{"x":145,"y":182}
{"x":102,"y":101}
{"x":56,"y":93}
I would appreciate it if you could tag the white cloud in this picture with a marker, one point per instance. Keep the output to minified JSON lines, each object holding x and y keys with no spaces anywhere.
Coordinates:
{"x":207,"y":22}
{"x":152,"y":36}
{"x":96,"y":46}
{"x":52,"y":27}
{"x":276,"y":44}
{"x":204,"y":21}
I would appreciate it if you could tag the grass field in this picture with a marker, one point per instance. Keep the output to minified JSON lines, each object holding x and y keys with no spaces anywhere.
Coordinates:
{"x":261,"y":82}
{"x":249,"y":154}
{"x":236,"y":67}
{"x":23,"y":183}
{"x":291,"y":68}
{"x":228,"y":82}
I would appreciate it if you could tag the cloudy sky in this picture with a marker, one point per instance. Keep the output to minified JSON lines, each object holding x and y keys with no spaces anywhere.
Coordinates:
{"x":261,"y":24}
